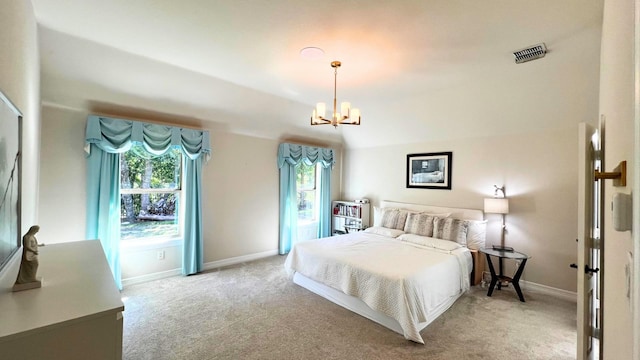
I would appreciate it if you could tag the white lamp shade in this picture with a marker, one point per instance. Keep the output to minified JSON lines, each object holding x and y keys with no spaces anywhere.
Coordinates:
{"x":496,"y":206}
{"x":320,"y":109}
{"x":344,"y":108}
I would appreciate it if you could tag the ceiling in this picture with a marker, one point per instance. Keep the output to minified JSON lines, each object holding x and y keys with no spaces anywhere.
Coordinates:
{"x":419,"y":70}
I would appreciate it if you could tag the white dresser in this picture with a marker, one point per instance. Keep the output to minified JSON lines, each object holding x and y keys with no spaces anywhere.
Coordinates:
{"x":76,"y":314}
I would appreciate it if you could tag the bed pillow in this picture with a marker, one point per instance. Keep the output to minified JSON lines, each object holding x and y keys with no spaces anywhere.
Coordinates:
{"x":384,"y":231}
{"x":431,"y":242}
{"x":476,"y":234}
{"x":378,"y":213}
{"x":451,"y":229}
{"x":421,"y":223}
{"x":393,"y":218}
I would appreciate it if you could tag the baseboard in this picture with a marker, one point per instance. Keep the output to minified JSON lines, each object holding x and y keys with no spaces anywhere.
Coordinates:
{"x":238,"y":259}
{"x":150,"y":277}
{"x":207,"y":266}
{"x":548,"y":290}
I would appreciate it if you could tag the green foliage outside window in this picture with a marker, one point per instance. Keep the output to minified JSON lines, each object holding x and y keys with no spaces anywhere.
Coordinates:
{"x":306,"y":186}
{"x":146,"y":210}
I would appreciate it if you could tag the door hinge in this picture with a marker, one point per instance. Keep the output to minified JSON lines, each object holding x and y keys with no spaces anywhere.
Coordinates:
{"x":595,"y":332}
{"x":596,"y":243}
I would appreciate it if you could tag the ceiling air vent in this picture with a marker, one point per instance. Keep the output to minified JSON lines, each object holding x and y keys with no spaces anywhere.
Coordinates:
{"x":530,"y":53}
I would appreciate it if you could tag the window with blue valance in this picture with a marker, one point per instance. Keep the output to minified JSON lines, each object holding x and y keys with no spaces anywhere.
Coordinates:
{"x":105,"y":139}
{"x":289,"y":156}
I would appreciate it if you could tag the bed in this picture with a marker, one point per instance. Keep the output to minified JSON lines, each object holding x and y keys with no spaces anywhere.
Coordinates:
{"x":400,"y":279}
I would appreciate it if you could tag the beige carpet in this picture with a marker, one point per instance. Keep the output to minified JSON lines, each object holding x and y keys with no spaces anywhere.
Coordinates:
{"x":253,"y":311}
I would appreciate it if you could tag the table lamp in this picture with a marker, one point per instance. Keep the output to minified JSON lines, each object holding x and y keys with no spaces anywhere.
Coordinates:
{"x":498,"y":205}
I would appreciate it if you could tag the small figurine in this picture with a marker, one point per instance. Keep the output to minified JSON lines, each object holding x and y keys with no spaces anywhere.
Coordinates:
{"x":29,"y":264}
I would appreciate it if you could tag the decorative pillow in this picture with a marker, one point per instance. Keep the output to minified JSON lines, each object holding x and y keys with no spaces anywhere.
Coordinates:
{"x":476,"y":234}
{"x":439,"y":244}
{"x":394,"y":218}
{"x":421,"y":223}
{"x":451,"y":229}
{"x":393,"y":233}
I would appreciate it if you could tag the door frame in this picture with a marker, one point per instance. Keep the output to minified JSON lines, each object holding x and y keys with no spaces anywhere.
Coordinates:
{"x":589,"y":204}
{"x":635,"y":313}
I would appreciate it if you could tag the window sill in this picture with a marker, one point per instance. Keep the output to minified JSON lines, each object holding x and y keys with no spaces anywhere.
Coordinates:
{"x":148,"y":244}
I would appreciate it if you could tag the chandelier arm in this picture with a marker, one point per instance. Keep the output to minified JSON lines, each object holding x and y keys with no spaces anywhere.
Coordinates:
{"x":324,"y":121}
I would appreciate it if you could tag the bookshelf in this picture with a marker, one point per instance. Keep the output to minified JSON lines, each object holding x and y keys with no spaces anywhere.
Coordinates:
{"x":349,"y":216}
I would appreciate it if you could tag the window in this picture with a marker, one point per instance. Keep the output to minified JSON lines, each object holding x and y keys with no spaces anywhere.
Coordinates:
{"x":306,"y":180}
{"x":150,"y":188}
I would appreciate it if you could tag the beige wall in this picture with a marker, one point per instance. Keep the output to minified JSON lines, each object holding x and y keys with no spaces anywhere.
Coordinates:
{"x":63,"y":176}
{"x":538,"y":170}
{"x":616,"y":105}
{"x":20,"y":82}
{"x":240,"y":194}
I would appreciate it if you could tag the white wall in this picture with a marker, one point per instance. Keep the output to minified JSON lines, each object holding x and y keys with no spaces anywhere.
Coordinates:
{"x":20,"y":82}
{"x":240,"y":194}
{"x":616,"y":104}
{"x":538,"y":170}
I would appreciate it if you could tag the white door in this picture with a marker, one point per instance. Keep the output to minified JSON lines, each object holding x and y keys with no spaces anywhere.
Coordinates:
{"x":589,"y":244}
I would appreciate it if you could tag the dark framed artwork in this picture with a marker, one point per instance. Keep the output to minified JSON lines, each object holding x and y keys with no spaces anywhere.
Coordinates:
{"x":429,"y":170}
{"x":10,"y":185}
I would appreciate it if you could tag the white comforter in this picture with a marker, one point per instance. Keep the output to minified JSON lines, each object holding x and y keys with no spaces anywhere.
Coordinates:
{"x":402,"y":280}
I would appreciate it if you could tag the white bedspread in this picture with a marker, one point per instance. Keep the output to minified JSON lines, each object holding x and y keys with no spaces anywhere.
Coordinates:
{"x":402,"y":280}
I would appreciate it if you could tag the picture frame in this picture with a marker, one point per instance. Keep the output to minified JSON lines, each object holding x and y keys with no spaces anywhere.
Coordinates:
{"x":429,"y":170}
{"x":10,"y":179}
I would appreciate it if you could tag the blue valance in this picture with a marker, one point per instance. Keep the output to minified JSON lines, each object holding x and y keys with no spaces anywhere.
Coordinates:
{"x":118,"y":135}
{"x":295,"y":153}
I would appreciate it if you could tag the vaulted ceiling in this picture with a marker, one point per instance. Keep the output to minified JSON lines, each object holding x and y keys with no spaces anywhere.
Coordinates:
{"x":420,"y":70}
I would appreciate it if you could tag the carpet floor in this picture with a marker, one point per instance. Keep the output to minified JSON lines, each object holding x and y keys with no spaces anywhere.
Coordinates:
{"x":254,"y":311}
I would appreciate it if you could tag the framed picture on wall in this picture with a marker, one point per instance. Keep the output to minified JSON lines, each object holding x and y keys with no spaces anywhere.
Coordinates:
{"x":429,"y":170}
{"x":10,"y":188}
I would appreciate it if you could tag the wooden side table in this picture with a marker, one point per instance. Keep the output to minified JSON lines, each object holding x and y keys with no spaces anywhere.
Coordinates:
{"x":498,"y":278}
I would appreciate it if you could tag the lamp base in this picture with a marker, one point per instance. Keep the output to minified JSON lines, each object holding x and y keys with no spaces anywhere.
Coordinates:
{"x":502,"y":248}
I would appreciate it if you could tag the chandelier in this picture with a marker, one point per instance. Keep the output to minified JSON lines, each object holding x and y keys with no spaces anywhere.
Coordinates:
{"x":346,"y":116}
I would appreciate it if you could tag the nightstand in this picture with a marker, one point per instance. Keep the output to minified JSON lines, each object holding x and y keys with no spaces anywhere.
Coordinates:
{"x":496,"y":279}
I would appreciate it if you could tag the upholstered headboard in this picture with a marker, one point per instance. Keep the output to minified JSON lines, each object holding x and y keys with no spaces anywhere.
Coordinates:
{"x":457,"y":213}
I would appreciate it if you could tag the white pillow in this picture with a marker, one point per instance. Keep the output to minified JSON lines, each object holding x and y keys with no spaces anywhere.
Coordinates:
{"x":476,"y":234}
{"x":427,"y":241}
{"x":393,"y":233}
{"x":377,"y":215}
